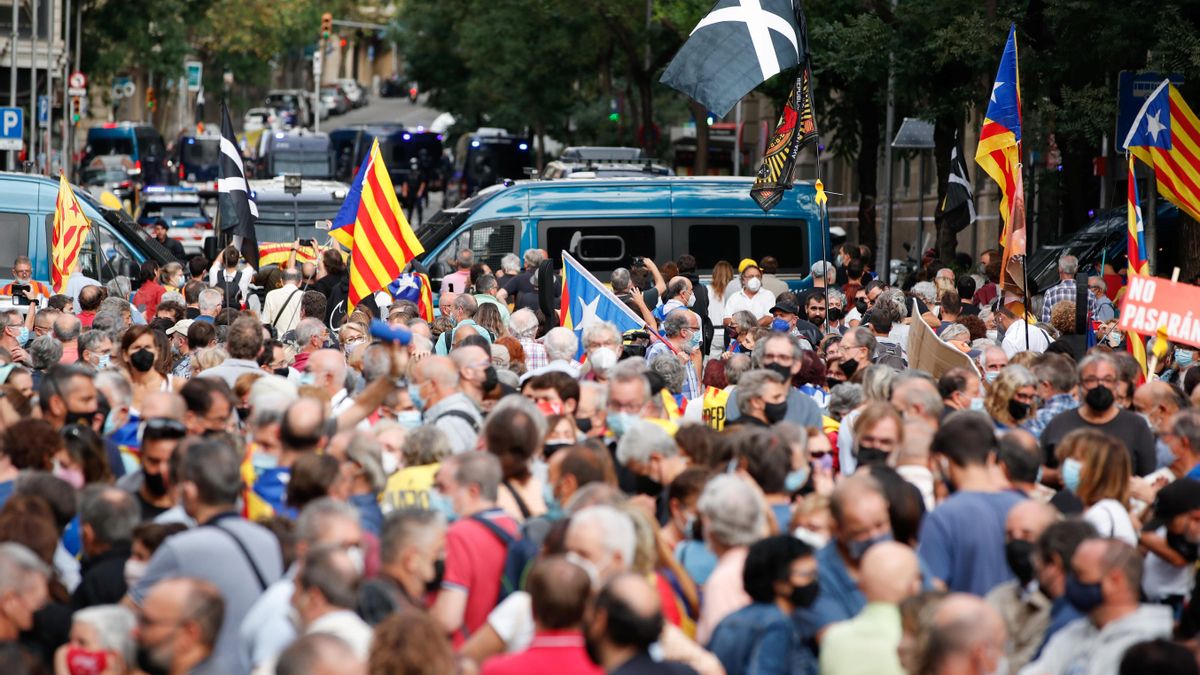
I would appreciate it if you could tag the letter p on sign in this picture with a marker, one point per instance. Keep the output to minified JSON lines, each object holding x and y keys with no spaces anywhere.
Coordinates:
{"x":12,"y":120}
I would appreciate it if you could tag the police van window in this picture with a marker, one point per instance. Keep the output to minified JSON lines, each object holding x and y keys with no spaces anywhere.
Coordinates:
{"x":14,"y":236}
{"x":710,"y":243}
{"x":602,"y":247}
{"x":788,"y":243}
{"x":491,"y":240}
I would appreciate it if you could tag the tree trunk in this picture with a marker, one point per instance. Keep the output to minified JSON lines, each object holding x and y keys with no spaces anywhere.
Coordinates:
{"x":646,"y":110}
{"x":540,"y":131}
{"x":943,"y":140}
{"x":867,"y":170}
{"x":700,"y":162}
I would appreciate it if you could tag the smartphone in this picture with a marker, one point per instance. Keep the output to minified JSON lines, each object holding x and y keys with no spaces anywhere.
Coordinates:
{"x":638,"y":262}
{"x":323,"y":224}
{"x":381,"y":330}
{"x":306,"y":242}
{"x":18,"y":297}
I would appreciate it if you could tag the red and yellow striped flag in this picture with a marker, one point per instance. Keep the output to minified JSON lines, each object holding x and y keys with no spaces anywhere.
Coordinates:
{"x":70,"y":228}
{"x":383,"y":242}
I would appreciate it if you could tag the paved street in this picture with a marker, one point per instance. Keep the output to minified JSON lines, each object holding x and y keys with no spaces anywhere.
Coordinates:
{"x":384,"y":110}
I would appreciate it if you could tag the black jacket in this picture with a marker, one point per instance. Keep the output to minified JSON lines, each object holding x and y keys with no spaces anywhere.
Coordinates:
{"x":102,"y":578}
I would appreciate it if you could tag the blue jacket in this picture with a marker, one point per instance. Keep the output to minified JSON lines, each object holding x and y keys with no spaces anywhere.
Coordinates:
{"x":761,"y":640}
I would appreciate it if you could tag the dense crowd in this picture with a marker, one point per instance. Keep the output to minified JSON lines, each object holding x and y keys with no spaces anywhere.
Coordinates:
{"x":217,"y":469}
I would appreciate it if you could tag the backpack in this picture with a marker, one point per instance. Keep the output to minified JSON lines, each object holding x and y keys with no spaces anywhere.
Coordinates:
{"x":520,"y":552}
{"x":230,"y":290}
{"x":889,"y":354}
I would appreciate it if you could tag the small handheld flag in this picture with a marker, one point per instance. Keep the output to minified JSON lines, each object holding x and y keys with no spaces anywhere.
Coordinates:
{"x":70,"y":229}
{"x":1135,"y":245}
{"x":585,"y":301}
{"x":414,"y":287}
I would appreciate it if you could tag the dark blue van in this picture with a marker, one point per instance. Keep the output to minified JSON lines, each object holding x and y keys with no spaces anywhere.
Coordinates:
{"x":605,"y":223}
{"x":140,"y":142}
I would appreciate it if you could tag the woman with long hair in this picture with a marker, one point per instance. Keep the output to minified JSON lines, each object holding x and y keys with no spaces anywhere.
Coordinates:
{"x":145,"y":356}
{"x":722,"y":274}
{"x":1009,"y":399}
{"x":1096,"y":467}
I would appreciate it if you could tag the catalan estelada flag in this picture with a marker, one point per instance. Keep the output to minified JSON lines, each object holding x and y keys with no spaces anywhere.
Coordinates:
{"x":1166,"y":135}
{"x":271,"y":253}
{"x":70,"y":228}
{"x":414,"y":287}
{"x":1136,"y":252}
{"x":381,"y":241}
{"x":586,"y":301}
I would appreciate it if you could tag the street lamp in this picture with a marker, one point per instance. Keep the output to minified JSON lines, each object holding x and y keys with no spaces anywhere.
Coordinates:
{"x":915,"y":134}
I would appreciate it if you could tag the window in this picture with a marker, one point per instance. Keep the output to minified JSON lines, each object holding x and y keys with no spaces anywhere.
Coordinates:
{"x":601,"y":246}
{"x":788,"y":243}
{"x":491,"y":240}
{"x":14,"y":236}
{"x":710,"y":243}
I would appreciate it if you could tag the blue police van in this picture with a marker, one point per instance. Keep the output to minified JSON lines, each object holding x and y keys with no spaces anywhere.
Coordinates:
{"x":605,"y":223}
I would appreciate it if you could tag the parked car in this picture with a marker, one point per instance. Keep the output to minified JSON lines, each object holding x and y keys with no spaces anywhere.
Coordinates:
{"x":354,"y":91}
{"x":257,"y":119}
{"x":109,"y":173}
{"x":335,"y":99}
{"x":294,"y":106}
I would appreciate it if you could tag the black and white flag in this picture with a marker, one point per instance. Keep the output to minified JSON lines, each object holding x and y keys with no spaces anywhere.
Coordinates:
{"x":739,"y":45}
{"x":237,"y":211}
{"x":958,"y":206}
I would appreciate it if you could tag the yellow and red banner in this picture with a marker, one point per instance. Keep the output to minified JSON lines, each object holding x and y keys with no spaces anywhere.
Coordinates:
{"x":70,"y":228}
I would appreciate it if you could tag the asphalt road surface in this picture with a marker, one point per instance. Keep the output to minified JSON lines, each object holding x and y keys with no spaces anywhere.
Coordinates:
{"x":395,"y":110}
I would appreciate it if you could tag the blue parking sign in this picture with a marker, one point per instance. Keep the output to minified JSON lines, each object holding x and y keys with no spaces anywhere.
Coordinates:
{"x":43,"y":111}
{"x":12,"y":128}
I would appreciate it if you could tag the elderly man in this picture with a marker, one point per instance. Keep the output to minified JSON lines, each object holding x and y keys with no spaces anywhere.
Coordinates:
{"x":326,"y":593}
{"x":22,"y":270}
{"x":487,"y":291}
{"x":412,"y":545}
{"x":969,"y":636}
{"x":992,"y":360}
{"x":1068,"y":265}
{"x":561,"y":347}
{"x":752,"y":296}
{"x":916,"y":397}
{"x":178,"y":625}
{"x":461,"y":309}
{"x":311,"y":335}
{"x":1018,"y":335}
{"x":210,"y":304}
{"x":459,"y":280}
{"x":1056,"y":378}
{"x":244,"y":344}
{"x":781,"y":353}
{"x":476,"y":374}
{"x":732,"y":514}
{"x":66,"y":331}
{"x":435,"y":388}
{"x":95,"y":349}
{"x":762,"y":399}
{"x":524,"y":325}
{"x":683,"y":332}
{"x":961,"y":389}
{"x":282,"y":306}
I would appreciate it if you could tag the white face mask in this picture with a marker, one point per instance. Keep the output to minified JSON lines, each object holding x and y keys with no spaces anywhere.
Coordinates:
{"x":390,"y":463}
{"x":134,"y":571}
{"x":753,"y":284}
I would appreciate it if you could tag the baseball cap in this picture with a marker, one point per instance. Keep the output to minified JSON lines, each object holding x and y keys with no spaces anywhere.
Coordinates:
{"x":786,"y":307}
{"x":180,"y":327}
{"x":746,"y":262}
{"x":1177,"y":498}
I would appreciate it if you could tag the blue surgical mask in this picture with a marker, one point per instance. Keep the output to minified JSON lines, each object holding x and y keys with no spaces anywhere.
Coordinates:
{"x":103,"y":362}
{"x":795,"y":479}
{"x":1071,"y":469}
{"x":442,"y":504}
{"x":110,"y":423}
{"x":977,"y":404}
{"x":991,"y":375}
{"x":410,"y":419}
{"x":307,"y":379}
{"x":857,"y":549}
{"x":694,"y":343}
{"x":262,"y":461}
{"x":23,"y":336}
{"x":414,"y":393}
{"x":1183,"y":357}
{"x":554,"y":509}
{"x":620,"y":422}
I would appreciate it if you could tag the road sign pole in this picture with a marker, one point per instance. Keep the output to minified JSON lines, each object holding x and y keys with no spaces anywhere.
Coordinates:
{"x":66,"y":102}
{"x":12,"y":74}
{"x":31,"y":156}
{"x":318,"y":62}
{"x":49,"y":91}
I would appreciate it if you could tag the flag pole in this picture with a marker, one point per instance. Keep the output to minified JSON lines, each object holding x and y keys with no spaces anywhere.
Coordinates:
{"x":1024,"y":267}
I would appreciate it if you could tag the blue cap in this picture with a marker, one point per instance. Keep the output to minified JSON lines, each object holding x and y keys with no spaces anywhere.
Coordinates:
{"x":382,"y":331}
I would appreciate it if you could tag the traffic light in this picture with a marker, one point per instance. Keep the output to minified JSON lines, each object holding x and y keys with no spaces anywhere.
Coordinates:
{"x":76,"y":109}
{"x":326,"y":25}
{"x":151,"y":99}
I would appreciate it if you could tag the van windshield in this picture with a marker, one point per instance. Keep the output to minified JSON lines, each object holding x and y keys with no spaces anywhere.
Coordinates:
{"x":309,"y":164}
{"x":202,"y":152}
{"x":112,"y":145}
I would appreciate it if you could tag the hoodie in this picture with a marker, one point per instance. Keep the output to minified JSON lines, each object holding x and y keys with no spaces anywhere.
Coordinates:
{"x":1082,"y":648}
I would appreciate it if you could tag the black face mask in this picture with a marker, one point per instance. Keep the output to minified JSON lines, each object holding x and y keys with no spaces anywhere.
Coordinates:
{"x":1099,"y":398}
{"x":848,"y":367}
{"x":1180,"y":544}
{"x":1017,"y":409}
{"x":870,"y":456}
{"x":155,"y":484}
{"x":549,"y":449}
{"x":1019,"y":554}
{"x":243,"y":414}
{"x":490,"y":379}
{"x":283,"y":372}
{"x":83,"y":419}
{"x":584,"y":424}
{"x":804,"y":596}
{"x":775,"y":411}
{"x":147,"y":664}
{"x":861,"y":306}
{"x":142,"y":360}
{"x":439,"y":570}
{"x":783,"y":371}
{"x":834,"y":314}
{"x":648,"y":486}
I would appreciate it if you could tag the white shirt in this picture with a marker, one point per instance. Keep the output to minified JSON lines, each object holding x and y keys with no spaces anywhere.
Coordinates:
{"x":1014,"y":339}
{"x":280,"y":301}
{"x":244,"y":276}
{"x":760,"y":305}
{"x":346,"y":625}
{"x":1111,"y":521}
{"x":1161,"y":579}
{"x":512,"y":620}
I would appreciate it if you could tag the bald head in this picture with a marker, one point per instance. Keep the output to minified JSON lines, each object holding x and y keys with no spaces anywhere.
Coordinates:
{"x":1028,"y":519}
{"x":303,"y":425}
{"x":328,"y":367}
{"x":163,"y":404}
{"x":889,"y":573}
{"x":441,"y":375}
{"x":630,"y":591}
{"x":967,"y":636}
{"x":66,"y":328}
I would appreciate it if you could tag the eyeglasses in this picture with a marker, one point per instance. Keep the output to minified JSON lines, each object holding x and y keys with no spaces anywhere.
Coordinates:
{"x":1092,"y":381}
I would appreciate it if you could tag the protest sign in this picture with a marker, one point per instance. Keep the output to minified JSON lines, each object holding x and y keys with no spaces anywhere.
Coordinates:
{"x":928,"y":352}
{"x":1152,"y":303}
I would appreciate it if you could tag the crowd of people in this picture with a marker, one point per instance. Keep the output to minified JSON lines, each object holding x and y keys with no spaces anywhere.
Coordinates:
{"x":216,"y":469}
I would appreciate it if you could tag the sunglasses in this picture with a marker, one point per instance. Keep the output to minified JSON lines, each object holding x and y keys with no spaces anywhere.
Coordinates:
{"x":163,"y":427}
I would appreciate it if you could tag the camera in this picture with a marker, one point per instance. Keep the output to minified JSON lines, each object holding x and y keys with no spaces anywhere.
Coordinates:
{"x":639,"y":261}
{"x":18,"y":294}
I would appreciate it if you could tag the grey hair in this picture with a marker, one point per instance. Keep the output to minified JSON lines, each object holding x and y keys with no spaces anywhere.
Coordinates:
{"x":425,"y":445}
{"x":16,"y":562}
{"x":172,"y":296}
{"x":89,"y":340}
{"x":534,"y":257}
{"x":44,"y":351}
{"x":116,"y":304}
{"x":500,"y":356}
{"x":671,"y":371}
{"x":863,"y":337}
{"x":736,"y":366}
{"x":116,"y":386}
{"x":1099,"y":283}
{"x":643,"y":440}
{"x":877,"y":382}
{"x":955,"y":331}
{"x":919,"y":389}
{"x":1068,"y":264}
{"x":120,"y":286}
{"x":365,"y":451}
{"x":593,"y":331}
{"x":845,"y":397}
{"x":733,"y":509}
{"x":111,"y":512}
{"x":321,"y":514}
{"x":210,"y":299}
{"x":107,"y":322}
{"x":291,"y":274}
{"x":600,"y":390}
{"x":114,"y":626}
{"x":215,"y":468}
{"x":822,"y":268}
{"x":510,"y":263}
{"x":837,"y":297}
{"x":1093,"y":359}
{"x":926,"y":291}
{"x":71,"y":332}
{"x":337,"y":582}
{"x":620,"y":280}
{"x":630,"y":370}
{"x":752,"y":384}
{"x":523,"y":324}
{"x":481,"y":469}
{"x":405,"y":528}
{"x":615,"y":528}
{"x":675,"y":323}
{"x":760,"y":348}
{"x":308,"y":329}
{"x":561,"y":344}
{"x":376,"y":362}
{"x":271,"y":394}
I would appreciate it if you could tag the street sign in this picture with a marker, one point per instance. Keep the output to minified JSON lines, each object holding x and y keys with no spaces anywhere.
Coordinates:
{"x":195,"y":72}
{"x":1132,"y":90}
{"x":43,"y":111}
{"x":12,"y":128}
{"x":77,"y":80}
{"x":122,"y":87}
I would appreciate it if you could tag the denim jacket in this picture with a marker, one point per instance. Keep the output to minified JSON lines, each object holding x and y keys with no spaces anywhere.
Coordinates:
{"x":761,"y":640}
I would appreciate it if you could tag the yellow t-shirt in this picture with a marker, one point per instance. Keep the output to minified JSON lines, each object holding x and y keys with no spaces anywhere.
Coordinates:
{"x":409,"y":488}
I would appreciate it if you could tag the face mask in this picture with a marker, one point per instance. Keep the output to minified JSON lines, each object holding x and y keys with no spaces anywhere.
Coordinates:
{"x":1183,"y":357}
{"x":753,"y":284}
{"x":804,"y":596}
{"x":414,"y":393}
{"x":148,"y":662}
{"x":602,"y":359}
{"x":409,"y":419}
{"x":992,"y":334}
{"x":553,"y":507}
{"x":1099,"y":398}
{"x":1083,"y":597}
{"x":1071,"y":469}
{"x":691,"y":300}
{"x":991,"y":376}
{"x":307,"y":379}
{"x":355,"y":554}
{"x":134,"y":571}
{"x":620,"y":422}
{"x":442,"y":504}
{"x":825,"y":461}
{"x":435,"y":584}
{"x":784,"y":371}
{"x":83,"y":419}
{"x":795,"y":479}
{"x":813,"y":539}
{"x":389,"y":462}
{"x":775,"y":411}
{"x":155,"y":484}
{"x":1179,"y":543}
{"x":780,"y":326}
{"x":1019,"y":554}
{"x":23,"y":336}
{"x":870,"y":456}
{"x":848,"y":367}
{"x":103,"y":361}
{"x":694,"y":343}
{"x":82,"y":661}
{"x":860,"y":306}
{"x":1017,"y":409}
{"x":857,"y":549}
{"x":142,"y":360}
{"x":243,"y":414}
{"x":262,"y":461}
{"x":282,"y":372}
{"x":110,"y":423}
{"x":834,"y":314}
{"x":584,"y":424}
{"x":977,"y":404}
{"x":73,"y":477}
{"x":490,"y":379}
